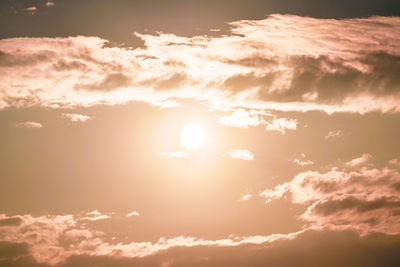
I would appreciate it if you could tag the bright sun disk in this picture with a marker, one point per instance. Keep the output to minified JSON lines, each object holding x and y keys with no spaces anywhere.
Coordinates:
{"x":192,"y":136}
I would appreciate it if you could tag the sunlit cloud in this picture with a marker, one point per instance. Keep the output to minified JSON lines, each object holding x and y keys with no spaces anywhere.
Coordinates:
{"x":246,"y":197}
{"x":283,"y":68}
{"x":334,"y":134}
{"x":241,"y":118}
{"x":363,"y":197}
{"x":241,"y":154}
{"x":74,"y":117}
{"x":359,"y":161}
{"x":49,"y":3}
{"x":302,"y":161}
{"x":281,"y":125}
{"x":32,"y":8}
{"x":94,"y":215}
{"x":28,"y":124}
{"x":133,"y":213}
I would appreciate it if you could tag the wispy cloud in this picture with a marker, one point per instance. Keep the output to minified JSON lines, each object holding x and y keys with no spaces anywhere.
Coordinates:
{"x":302,"y":161}
{"x":334,"y":134}
{"x":133,"y":213}
{"x":28,"y":124}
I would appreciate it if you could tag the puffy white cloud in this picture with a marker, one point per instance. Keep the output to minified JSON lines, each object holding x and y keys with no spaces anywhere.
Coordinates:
{"x":241,"y":118}
{"x":281,"y":125}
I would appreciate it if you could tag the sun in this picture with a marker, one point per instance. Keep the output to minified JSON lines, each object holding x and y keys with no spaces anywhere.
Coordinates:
{"x":192,"y":136}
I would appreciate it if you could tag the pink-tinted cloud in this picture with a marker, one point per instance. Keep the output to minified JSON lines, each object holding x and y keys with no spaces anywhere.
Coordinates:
{"x":348,"y":65}
{"x":357,"y":196}
{"x":61,"y":241}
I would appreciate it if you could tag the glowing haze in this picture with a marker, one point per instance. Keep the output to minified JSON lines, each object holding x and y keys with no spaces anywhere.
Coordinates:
{"x":199,"y":133}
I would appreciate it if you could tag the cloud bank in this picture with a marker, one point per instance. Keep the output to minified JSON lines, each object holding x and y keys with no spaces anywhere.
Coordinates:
{"x":282,"y":62}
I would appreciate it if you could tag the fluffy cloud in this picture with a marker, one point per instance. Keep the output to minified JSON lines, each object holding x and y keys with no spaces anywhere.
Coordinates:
{"x":349,"y":65}
{"x":241,"y":154}
{"x":357,"y":196}
{"x":359,"y":161}
{"x":59,"y":241}
{"x":241,"y":118}
{"x":74,"y":117}
{"x":28,"y":124}
{"x":281,"y":125}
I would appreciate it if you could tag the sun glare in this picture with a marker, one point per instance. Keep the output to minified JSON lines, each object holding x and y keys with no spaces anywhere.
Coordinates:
{"x":192,"y":136}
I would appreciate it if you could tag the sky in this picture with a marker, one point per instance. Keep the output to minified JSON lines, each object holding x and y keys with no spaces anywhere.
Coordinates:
{"x":199,"y":133}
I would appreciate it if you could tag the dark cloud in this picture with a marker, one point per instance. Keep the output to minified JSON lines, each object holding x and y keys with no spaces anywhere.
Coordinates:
{"x":333,"y":205}
{"x":14,"y":221}
{"x":311,"y":248}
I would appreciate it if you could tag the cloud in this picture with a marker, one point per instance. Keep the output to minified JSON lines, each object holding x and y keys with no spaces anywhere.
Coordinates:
{"x":334,"y":134}
{"x":246,"y":197}
{"x":302,"y":160}
{"x":32,"y":8}
{"x":241,"y":154}
{"x":241,"y":118}
{"x":133,"y":213}
{"x":359,"y":161}
{"x":12,"y":221}
{"x":49,"y":3}
{"x":74,"y":117}
{"x":94,"y":215}
{"x":357,"y":195}
{"x":347,"y":65}
{"x":281,"y":125}
{"x":309,"y":247}
{"x":28,"y":124}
